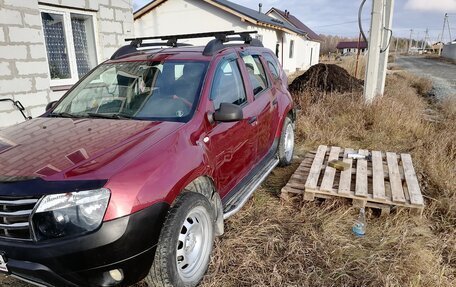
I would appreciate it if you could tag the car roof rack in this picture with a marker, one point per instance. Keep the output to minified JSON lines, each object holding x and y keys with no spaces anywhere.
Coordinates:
{"x":221,"y":38}
{"x":211,"y":48}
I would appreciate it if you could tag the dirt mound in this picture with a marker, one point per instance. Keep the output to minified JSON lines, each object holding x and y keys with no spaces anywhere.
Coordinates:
{"x":326,"y":78}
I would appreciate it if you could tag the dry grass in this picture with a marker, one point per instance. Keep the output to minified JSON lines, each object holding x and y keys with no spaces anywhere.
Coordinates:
{"x":274,"y":244}
{"x":349,"y":64}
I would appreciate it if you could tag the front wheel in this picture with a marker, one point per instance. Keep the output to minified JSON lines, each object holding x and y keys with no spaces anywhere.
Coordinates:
{"x":286,"y":143}
{"x":185,"y":243}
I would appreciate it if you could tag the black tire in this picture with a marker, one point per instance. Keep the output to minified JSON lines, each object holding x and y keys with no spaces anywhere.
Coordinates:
{"x":164,"y":271}
{"x":285,"y":158}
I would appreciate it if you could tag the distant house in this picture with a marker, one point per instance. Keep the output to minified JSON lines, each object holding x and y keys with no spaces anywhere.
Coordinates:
{"x":351,"y":47}
{"x":48,"y":45}
{"x":296,"y":48}
{"x":436,"y":47}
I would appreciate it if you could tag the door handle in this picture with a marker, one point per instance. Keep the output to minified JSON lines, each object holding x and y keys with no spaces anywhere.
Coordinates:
{"x":253,"y":120}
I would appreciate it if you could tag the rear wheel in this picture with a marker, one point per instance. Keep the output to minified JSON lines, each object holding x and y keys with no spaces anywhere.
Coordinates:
{"x":185,"y":244}
{"x":286,"y":144}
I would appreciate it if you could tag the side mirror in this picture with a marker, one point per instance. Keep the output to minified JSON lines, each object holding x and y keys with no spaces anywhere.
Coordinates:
{"x":51,"y":105}
{"x":228,"y":113}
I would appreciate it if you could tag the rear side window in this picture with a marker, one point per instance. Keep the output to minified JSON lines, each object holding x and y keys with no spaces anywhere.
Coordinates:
{"x":228,"y":86}
{"x":256,"y":72}
{"x":272,"y":65}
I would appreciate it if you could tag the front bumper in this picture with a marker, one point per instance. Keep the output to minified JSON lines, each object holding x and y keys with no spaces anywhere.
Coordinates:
{"x":127,"y":243}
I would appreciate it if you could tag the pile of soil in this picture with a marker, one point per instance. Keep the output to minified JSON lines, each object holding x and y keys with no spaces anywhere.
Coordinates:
{"x":326,"y":78}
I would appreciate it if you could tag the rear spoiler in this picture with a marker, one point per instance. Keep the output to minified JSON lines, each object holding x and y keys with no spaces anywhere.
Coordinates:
{"x":17,"y":105}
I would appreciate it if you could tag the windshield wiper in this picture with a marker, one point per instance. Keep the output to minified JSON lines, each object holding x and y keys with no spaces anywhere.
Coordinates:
{"x":65,"y":115}
{"x":111,"y":116}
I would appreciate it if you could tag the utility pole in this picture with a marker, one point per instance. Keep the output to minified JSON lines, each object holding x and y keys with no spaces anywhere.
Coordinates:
{"x":385,"y":46}
{"x":410,"y":42}
{"x":445,"y":18}
{"x":449,"y":29}
{"x":426,"y":38}
{"x":374,"y":48}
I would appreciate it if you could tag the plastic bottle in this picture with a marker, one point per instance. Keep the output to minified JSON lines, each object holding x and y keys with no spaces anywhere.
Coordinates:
{"x":359,"y":228}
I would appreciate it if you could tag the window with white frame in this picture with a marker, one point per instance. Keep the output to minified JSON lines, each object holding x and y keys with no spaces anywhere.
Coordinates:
{"x":70,"y":41}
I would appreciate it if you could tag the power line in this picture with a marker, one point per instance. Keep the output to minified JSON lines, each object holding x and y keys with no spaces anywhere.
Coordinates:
{"x":343,"y":23}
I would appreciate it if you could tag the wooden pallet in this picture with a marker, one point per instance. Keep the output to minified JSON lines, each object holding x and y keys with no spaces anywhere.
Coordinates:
{"x":387,"y":180}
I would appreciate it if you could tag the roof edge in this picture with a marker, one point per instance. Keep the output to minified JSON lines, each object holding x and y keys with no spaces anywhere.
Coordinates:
{"x":278,"y":11}
{"x":285,"y":19}
{"x":146,"y":8}
{"x":153,"y":4}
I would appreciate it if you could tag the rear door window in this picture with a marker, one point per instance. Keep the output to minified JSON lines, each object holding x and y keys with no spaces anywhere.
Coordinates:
{"x":257,"y":76}
{"x":272,"y":65}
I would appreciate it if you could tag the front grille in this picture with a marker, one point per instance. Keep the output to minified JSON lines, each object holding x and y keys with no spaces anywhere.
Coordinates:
{"x":14,"y":217}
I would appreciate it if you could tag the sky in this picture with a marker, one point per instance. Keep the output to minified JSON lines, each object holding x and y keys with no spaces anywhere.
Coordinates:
{"x":339,"y":17}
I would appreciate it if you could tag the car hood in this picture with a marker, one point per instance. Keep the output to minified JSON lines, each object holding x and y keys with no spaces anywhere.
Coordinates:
{"x":58,"y":148}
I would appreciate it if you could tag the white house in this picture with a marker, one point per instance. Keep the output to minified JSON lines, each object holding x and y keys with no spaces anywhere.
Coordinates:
{"x":47,"y":45}
{"x":296,"y":48}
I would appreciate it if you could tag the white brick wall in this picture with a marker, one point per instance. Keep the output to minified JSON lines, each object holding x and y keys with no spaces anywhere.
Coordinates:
{"x":37,"y":51}
{"x":74,"y":3}
{"x":5,"y":69}
{"x":21,"y":3}
{"x":24,"y":73}
{"x":110,"y":27}
{"x":15,"y":85}
{"x":20,"y":27}
{"x":31,"y":68}
{"x":106,"y":13}
{"x":34,"y":99}
{"x":20,"y":34}
{"x":42,"y":83}
{"x":13,"y":52}
{"x":121,"y":4}
{"x":32,"y":20}
{"x":8,"y":16}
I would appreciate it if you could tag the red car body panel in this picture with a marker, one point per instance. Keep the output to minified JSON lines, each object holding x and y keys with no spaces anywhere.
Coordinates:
{"x":148,"y":162}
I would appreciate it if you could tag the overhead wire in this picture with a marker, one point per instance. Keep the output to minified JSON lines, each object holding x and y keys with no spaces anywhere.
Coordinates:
{"x":360,"y":24}
{"x":337,"y":24}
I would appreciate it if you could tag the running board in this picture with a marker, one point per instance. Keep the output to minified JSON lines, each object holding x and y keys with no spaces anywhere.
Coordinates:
{"x":242,"y":196}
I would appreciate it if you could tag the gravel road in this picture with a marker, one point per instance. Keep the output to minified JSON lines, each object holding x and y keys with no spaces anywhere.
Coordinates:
{"x":442,"y":74}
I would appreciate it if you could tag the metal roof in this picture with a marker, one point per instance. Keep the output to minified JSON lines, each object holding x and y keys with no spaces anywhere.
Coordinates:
{"x":260,"y":17}
{"x":297,"y":23}
{"x":351,"y":45}
{"x":255,"y":15}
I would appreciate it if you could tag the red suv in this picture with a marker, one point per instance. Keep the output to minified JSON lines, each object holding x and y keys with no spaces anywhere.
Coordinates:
{"x":132,"y":173}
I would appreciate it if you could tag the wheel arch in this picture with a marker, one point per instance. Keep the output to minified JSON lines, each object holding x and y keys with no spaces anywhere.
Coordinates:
{"x":205,"y":185}
{"x":289,"y":111}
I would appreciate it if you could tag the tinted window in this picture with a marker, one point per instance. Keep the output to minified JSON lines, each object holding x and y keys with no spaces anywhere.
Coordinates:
{"x":256,"y":72}
{"x":272,"y":64}
{"x":228,"y":86}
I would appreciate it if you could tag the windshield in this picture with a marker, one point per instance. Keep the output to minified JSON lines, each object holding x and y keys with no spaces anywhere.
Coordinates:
{"x":166,"y":90}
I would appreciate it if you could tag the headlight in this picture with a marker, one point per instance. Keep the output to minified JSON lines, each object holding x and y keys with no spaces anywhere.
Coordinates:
{"x":67,"y":214}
